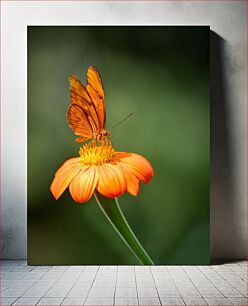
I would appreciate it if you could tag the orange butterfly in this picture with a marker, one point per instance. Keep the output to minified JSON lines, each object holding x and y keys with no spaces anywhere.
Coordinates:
{"x":87,"y":113}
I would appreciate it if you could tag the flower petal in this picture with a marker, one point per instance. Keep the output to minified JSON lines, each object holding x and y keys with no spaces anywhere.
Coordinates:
{"x":112,"y":182}
{"x":63,"y":178}
{"x":68,"y":164}
{"x":137,"y":165}
{"x":132,"y":182}
{"x":84,"y":184}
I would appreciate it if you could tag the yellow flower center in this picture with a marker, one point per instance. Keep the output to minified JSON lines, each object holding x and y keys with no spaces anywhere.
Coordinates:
{"x":97,"y":153}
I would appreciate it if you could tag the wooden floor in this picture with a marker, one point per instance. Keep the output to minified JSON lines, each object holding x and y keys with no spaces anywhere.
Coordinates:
{"x":123,"y":285}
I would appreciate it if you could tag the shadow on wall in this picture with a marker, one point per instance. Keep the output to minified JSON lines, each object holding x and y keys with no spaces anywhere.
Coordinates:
{"x":224,"y":229}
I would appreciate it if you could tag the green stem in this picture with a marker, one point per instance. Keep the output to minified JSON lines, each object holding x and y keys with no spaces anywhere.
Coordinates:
{"x":113,"y":213}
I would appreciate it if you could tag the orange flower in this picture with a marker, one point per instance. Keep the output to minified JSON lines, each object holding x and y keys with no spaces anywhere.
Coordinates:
{"x":101,"y":167}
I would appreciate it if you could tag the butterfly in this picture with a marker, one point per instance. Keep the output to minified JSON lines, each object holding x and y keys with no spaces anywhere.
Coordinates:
{"x":87,"y":113}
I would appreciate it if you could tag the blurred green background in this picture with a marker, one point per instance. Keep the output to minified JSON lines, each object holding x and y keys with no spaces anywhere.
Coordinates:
{"x":161,"y":74}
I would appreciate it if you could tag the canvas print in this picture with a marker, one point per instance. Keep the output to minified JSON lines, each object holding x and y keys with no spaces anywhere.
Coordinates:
{"x":118,"y":145}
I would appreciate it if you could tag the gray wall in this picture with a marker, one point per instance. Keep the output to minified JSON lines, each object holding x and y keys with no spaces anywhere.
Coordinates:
{"x":228,"y":109}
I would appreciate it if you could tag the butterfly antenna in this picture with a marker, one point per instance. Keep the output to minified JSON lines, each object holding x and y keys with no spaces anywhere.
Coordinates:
{"x":119,"y":123}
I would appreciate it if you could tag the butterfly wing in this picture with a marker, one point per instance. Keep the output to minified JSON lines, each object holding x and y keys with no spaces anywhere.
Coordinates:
{"x":79,"y":123}
{"x":82,"y":115}
{"x":95,"y":89}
